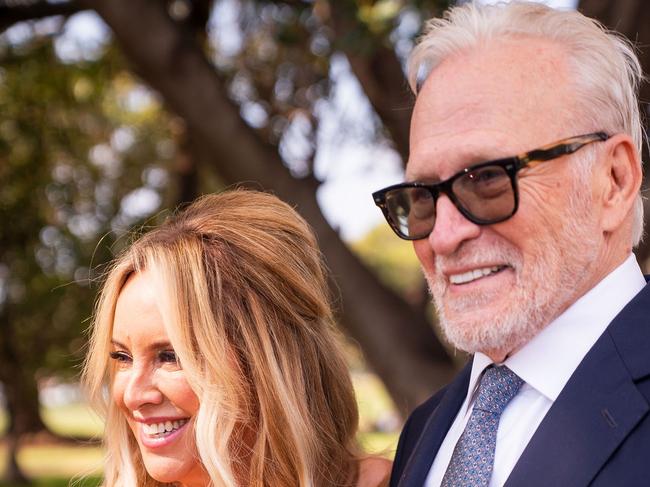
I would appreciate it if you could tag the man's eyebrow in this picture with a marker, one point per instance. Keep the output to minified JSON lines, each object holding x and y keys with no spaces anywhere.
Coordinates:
{"x":425,"y":180}
{"x":470,"y":158}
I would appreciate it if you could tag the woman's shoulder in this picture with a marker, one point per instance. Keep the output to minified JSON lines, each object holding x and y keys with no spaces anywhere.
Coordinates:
{"x":374,"y":472}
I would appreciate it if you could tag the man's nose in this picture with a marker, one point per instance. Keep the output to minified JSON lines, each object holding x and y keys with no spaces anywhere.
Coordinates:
{"x":451,"y":228}
{"x":141,"y":389}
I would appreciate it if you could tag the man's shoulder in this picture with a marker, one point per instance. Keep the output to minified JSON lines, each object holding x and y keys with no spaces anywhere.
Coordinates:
{"x":413,"y":428}
{"x":426,"y":424}
{"x":457,"y":387}
{"x":421,"y":414}
{"x":450,"y":398}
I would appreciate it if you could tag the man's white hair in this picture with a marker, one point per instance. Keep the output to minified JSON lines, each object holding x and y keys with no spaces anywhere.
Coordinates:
{"x":606,"y":70}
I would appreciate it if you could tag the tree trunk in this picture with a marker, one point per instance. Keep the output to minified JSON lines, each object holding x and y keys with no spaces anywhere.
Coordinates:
{"x":186,"y":174}
{"x":21,"y":396}
{"x":379,"y":72}
{"x":13,"y":474}
{"x":14,"y":12}
{"x":23,"y":406}
{"x":397,"y":341}
{"x":20,"y":388}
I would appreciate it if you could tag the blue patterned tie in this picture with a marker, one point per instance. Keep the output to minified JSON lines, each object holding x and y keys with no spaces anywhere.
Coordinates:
{"x":473,"y":457}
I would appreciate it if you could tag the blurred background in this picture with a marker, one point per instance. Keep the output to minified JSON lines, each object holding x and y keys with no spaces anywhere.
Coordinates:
{"x":114,"y":112}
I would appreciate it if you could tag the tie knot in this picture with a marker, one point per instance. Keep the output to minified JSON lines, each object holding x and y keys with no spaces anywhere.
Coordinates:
{"x":498,"y":386}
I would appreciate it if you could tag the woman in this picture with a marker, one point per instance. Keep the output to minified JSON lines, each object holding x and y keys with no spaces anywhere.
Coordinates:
{"x":214,"y":337}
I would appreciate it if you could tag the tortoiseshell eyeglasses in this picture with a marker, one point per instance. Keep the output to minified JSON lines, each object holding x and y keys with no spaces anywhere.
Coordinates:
{"x":484,"y":193}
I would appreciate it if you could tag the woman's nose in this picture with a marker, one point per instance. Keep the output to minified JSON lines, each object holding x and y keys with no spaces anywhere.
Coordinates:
{"x":141,"y":389}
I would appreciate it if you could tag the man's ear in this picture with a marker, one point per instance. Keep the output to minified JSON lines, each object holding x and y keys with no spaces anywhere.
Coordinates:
{"x":621,"y":177}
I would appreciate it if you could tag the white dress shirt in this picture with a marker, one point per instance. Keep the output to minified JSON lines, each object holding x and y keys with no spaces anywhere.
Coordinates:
{"x":545,"y":364}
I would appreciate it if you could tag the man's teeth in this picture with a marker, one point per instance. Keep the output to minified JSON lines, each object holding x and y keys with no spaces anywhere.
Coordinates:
{"x":472,"y":275}
{"x":161,"y":428}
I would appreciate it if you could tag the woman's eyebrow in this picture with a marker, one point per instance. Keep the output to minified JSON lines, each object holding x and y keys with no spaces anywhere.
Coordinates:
{"x":118,"y":344}
{"x":157,"y":345}
{"x":160,"y":345}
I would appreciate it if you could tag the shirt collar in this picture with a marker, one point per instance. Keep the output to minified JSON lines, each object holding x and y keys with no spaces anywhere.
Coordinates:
{"x":571,"y":335}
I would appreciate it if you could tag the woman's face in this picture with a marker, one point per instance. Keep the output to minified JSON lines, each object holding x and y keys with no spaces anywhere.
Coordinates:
{"x":150,"y":388}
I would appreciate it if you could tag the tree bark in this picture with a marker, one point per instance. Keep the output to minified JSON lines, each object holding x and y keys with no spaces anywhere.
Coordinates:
{"x":397,"y":341}
{"x":379,"y":72}
{"x":13,"y":473}
{"x":23,"y":406}
{"x":20,"y":388}
{"x":21,"y":396}
{"x":19,"y":12}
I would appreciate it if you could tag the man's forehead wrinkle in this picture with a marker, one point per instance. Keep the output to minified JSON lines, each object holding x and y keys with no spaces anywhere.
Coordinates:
{"x":504,"y":98}
{"x":432,"y":164}
{"x":427,"y":134}
{"x":536,"y":55}
{"x":531,"y":63}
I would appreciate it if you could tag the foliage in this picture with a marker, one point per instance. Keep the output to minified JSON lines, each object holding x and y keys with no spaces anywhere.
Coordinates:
{"x":86,"y":153}
{"x":279,"y":61}
{"x":75,"y":144}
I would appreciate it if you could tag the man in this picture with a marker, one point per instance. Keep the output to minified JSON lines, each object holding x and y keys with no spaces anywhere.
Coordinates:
{"x":523,"y":205}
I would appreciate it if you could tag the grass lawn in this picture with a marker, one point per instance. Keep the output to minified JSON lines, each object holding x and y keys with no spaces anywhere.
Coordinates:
{"x":76,"y":420}
{"x":59,"y":482}
{"x":56,"y":465}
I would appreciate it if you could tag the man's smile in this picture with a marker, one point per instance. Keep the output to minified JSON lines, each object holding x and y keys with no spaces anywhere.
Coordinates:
{"x":474,"y":274}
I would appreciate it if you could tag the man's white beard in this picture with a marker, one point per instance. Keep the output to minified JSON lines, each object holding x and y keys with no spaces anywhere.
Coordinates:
{"x":543,"y":284}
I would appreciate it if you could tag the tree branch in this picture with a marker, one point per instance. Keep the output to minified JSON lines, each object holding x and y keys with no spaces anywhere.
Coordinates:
{"x":9,"y":15}
{"x":379,"y":72}
{"x":170,"y":62}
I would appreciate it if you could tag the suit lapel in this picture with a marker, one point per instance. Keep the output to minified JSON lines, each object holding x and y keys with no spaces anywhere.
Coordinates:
{"x":596,"y":410}
{"x":435,"y":429}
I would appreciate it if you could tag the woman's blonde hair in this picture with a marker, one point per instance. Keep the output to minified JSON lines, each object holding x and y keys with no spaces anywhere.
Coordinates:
{"x":247,"y":311}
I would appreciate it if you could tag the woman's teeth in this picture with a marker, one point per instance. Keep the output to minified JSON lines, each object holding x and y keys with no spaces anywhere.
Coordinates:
{"x":472,"y":275}
{"x":161,"y":429}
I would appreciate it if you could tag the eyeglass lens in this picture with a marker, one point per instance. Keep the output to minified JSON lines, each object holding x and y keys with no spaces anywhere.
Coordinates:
{"x":484,"y":195}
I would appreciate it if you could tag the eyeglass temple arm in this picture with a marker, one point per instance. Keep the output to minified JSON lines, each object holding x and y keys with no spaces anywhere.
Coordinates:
{"x":569,"y":146}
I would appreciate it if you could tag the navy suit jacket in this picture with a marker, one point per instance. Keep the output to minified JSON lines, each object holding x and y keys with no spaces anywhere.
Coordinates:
{"x":597,"y":432}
